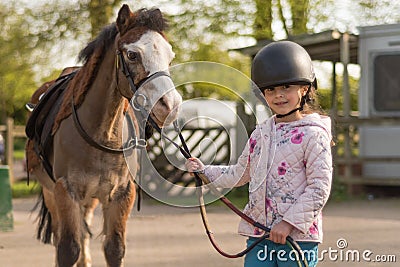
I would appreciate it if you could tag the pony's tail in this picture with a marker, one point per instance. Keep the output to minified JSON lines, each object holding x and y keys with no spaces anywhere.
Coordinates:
{"x":44,"y":231}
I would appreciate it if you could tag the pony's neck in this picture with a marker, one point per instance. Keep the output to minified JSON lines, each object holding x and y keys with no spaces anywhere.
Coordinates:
{"x":103,"y":107}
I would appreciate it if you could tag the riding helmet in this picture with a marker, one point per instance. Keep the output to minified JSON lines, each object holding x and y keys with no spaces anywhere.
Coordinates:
{"x":282,"y":62}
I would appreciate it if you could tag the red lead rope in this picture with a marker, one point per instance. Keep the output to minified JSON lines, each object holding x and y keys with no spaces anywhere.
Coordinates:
{"x":201,"y":178}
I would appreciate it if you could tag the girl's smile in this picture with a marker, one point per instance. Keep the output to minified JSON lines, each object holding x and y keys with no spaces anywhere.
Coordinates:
{"x":280,"y":103}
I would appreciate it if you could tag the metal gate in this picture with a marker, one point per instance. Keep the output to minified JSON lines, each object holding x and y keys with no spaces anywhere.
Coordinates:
{"x":163,"y":175}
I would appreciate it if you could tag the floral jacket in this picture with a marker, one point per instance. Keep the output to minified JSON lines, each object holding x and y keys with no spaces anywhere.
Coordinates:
{"x":289,"y":170}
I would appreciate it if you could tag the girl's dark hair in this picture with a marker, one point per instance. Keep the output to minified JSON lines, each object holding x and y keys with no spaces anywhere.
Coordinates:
{"x":312,"y":104}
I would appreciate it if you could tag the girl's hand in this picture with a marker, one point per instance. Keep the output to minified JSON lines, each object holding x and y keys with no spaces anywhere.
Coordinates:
{"x":280,"y":231}
{"x":194,"y":165}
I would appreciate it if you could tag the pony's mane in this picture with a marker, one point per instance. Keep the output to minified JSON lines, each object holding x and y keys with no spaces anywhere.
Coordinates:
{"x":93,"y":54}
{"x":100,"y":43}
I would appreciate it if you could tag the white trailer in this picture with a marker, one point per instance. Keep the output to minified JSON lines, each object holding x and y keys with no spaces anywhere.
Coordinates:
{"x":379,"y":97}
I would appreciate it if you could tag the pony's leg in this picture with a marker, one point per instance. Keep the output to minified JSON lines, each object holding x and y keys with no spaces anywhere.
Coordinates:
{"x":85,"y":260}
{"x":70,"y":224}
{"x":51,"y":205}
{"x":116,"y":213}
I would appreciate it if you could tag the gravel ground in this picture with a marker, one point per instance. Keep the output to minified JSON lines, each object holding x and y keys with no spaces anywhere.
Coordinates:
{"x":161,"y":235}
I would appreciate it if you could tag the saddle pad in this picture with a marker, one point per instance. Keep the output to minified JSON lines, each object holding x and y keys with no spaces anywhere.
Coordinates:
{"x":47,"y":108}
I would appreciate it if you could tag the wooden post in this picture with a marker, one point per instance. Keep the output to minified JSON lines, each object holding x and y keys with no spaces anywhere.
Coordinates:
{"x":334,"y":92}
{"x":334,"y":114}
{"x":10,"y":147}
{"x":345,"y":58}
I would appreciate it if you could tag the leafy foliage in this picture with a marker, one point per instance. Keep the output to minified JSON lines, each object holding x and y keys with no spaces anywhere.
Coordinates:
{"x":29,"y":38}
{"x":325,"y":98}
{"x":100,"y":12}
{"x":34,"y":39}
{"x":203,"y":31}
{"x":214,"y":22}
{"x":262,"y":27}
{"x":16,"y":74}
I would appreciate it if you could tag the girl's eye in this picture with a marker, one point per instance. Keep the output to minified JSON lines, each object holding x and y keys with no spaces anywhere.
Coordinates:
{"x":132,"y":56}
{"x":271,"y":89}
{"x":286,"y":86}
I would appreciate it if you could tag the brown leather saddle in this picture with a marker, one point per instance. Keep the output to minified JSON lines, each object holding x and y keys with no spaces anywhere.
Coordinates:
{"x":41,"y":121}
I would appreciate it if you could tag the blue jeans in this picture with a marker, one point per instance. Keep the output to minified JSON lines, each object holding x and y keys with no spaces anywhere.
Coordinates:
{"x":268,"y":253}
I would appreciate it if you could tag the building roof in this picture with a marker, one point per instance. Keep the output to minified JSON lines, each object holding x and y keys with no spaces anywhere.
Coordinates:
{"x":323,"y":46}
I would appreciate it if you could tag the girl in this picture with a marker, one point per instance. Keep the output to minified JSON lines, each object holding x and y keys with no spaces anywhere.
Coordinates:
{"x":287,"y":160}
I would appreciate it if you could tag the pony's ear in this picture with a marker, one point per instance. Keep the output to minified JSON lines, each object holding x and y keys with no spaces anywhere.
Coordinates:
{"x":156,"y":14}
{"x":158,"y":19}
{"x":123,"y":17}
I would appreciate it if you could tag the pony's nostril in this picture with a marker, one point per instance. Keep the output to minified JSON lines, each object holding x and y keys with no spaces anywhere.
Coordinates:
{"x":166,"y":104}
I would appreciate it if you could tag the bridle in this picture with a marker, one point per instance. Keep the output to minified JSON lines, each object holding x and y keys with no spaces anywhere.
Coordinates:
{"x":134,"y":141}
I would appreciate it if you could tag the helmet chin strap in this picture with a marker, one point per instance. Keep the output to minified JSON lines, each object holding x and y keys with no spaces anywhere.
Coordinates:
{"x":290,"y":112}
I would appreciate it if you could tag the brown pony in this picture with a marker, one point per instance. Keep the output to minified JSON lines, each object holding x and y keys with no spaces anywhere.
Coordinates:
{"x":83,"y":174}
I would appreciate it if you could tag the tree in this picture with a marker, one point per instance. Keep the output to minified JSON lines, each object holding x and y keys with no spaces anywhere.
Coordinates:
{"x":203,"y":31}
{"x":33,"y":40}
{"x":16,"y":74}
{"x":299,"y":10}
{"x":100,"y":13}
{"x":263,"y":20}
{"x":230,"y":83}
{"x":325,"y":99}
{"x":295,"y":22}
{"x":375,"y":12}
{"x":293,"y":14}
{"x":24,"y":46}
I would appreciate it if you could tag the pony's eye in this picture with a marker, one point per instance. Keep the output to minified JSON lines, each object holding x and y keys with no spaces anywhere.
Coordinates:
{"x":132,"y":56}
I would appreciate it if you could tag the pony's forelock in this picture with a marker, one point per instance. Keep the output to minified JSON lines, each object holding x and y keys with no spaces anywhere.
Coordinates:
{"x":149,"y":18}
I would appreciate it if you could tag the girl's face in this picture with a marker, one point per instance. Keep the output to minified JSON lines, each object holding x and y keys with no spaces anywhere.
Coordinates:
{"x":285,"y":98}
